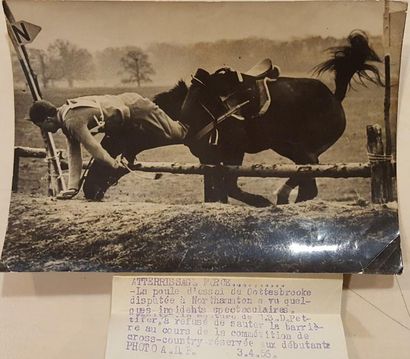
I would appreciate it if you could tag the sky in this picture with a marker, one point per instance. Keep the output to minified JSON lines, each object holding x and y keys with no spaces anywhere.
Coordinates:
{"x":96,"y":25}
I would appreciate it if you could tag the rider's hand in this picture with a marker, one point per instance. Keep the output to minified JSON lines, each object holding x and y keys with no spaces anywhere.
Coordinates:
{"x":67,"y":194}
{"x":117,"y":164}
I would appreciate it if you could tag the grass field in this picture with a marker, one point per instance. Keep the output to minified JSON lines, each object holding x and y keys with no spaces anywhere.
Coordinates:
{"x":363,"y":106}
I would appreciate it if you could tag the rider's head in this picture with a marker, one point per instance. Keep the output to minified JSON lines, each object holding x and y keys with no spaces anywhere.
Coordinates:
{"x":44,"y":114}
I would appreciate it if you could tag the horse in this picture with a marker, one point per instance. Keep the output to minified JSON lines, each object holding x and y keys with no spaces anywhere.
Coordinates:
{"x":303,"y":120}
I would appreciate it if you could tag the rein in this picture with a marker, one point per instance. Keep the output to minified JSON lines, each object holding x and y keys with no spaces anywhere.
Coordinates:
{"x":208,"y":128}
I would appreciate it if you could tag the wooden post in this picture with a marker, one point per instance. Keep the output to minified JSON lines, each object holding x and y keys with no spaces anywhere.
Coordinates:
{"x":388,"y":181}
{"x":387,"y":95}
{"x":386,"y":26}
{"x":214,"y":186}
{"x":375,"y":149}
{"x":16,"y":167}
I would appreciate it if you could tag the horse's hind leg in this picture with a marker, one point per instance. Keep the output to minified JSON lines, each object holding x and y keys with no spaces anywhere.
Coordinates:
{"x":307,"y":187}
{"x":282,"y":195}
{"x":307,"y":190}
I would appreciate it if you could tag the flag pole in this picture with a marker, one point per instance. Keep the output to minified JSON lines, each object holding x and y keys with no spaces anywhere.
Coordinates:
{"x":387,"y":98}
{"x":56,"y":181}
{"x":387,"y":94}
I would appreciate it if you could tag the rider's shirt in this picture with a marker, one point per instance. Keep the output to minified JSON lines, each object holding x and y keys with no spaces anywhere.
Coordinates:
{"x":82,"y":116}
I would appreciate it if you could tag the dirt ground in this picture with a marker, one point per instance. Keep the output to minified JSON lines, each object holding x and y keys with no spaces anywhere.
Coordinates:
{"x":49,"y":235}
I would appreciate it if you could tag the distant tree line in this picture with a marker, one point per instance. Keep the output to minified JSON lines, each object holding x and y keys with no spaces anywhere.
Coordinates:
{"x":298,"y":56}
{"x":164,"y":63}
{"x":65,"y":61}
{"x":61,"y":61}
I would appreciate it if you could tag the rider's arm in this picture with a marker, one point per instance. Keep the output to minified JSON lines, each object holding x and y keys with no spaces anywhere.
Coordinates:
{"x":74,"y":163}
{"x":94,"y":147}
{"x":77,"y":126}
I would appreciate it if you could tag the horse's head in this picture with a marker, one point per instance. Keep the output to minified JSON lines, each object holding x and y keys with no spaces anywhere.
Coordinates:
{"x":199,"y":102}
{"x":171,"y":101}
{"x":226,"y":81}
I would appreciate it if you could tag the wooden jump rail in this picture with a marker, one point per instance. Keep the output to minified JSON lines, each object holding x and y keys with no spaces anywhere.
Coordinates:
{"x":338,"y":170}
{"x":380,"y":169}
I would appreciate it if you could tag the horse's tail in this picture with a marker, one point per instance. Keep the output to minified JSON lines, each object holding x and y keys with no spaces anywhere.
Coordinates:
{"x":349,"y":60}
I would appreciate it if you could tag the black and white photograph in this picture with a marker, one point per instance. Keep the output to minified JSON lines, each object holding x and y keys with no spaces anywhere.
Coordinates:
{"x":204,"y":136}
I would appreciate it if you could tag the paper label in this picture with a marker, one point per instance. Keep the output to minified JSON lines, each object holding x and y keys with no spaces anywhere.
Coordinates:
{"x":230,"y":317}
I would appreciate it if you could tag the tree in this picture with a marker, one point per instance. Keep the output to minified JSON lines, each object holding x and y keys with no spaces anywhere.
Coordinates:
{"x":70,"y":62}
{"x":109,"y":65}
{"x":44,"y":66}
{"x":137,"y":66}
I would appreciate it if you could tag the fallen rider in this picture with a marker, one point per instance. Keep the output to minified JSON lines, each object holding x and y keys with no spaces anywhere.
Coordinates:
{"x":81,"y":118}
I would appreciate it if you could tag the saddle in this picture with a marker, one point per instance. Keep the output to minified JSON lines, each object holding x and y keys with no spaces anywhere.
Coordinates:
{"x":253,"y":86}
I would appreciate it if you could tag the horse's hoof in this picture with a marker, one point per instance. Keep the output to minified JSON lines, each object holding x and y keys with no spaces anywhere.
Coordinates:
{"x":281,"y":201}
{"x":263,"y":202}
{"x":254,"y":200}
{"x":94,"y":200}
{"x":94,"y":196}
{"x":305,"y":198}
{"x":299,"y":200}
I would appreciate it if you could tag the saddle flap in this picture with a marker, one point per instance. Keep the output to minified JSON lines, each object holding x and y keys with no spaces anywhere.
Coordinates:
{"x":264,"y":69}
{"x":260,"y":68}
{"x":264,"y":95}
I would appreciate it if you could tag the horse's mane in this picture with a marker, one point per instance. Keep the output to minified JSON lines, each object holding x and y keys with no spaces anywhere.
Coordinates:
{"x":171,"y":101}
